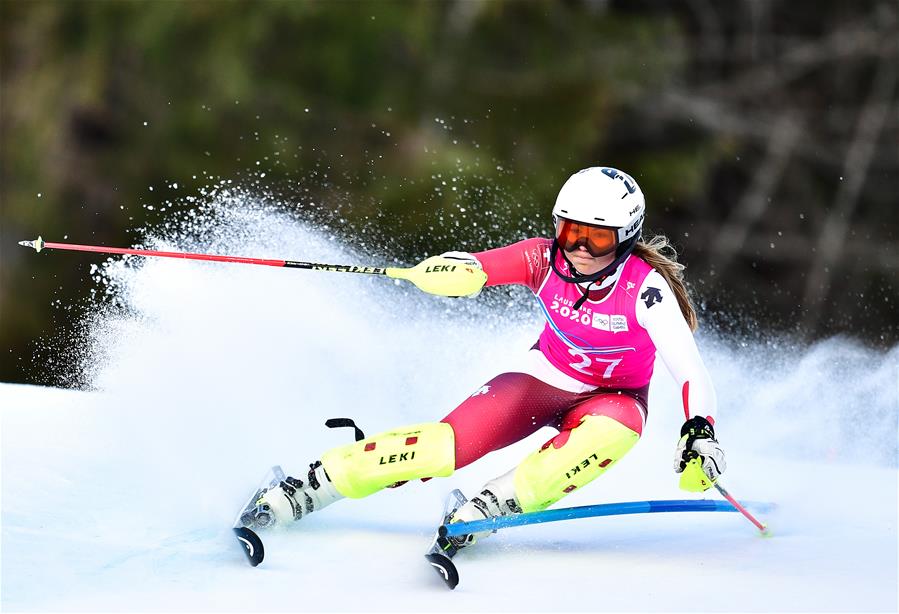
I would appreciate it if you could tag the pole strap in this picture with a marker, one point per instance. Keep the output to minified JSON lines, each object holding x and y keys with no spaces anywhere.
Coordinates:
{"x":336,"y":423}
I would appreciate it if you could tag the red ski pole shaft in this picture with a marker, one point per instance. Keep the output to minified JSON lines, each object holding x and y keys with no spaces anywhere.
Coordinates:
{"x":435,"y":275}
{"x":39,"y":244}
{"x":761,"y":526}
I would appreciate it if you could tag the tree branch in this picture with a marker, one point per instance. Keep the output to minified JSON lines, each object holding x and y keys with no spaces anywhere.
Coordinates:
{"x":831,"y":241}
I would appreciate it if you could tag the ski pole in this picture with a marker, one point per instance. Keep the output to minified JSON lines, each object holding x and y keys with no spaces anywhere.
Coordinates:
{"x":436,"y":275}
{"x":694,"y":479}
{"x":761,"y":526}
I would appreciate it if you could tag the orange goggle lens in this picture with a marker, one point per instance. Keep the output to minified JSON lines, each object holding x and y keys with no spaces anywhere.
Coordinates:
{"x":599,"y":241}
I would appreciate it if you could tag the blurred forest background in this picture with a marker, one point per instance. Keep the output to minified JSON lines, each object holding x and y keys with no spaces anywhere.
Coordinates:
{"x":764,"y":133}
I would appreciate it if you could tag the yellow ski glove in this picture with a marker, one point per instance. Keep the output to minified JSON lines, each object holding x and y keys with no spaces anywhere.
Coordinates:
{"x":699,"y":459}
{"x":450,"y":274}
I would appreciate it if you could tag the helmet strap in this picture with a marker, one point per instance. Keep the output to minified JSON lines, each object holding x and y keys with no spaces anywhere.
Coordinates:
{"x":624,"y":250}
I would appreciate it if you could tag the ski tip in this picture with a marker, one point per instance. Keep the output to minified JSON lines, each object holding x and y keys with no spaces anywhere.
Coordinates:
{"x":37,"y":244}
{"x":252,"y":545}
{"x":445,"y":567}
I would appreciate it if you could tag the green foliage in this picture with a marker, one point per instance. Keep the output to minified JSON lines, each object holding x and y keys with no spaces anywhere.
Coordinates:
{"x":388,"y":110}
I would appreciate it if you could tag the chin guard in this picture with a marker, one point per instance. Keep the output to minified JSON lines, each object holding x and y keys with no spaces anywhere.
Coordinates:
{"x":407,"y":453}
{"x":568,"y":462}
{"x":693,"y":478}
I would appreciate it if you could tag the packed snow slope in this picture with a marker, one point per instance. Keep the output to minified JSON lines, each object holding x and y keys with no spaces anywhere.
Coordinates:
{"x":201,"y":376}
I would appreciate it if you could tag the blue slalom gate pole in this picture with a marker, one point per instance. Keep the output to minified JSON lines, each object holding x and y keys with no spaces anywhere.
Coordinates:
{"x":588,"y":511}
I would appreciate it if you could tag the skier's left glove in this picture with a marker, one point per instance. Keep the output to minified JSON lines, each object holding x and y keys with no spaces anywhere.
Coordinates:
{"x":697,"y":441}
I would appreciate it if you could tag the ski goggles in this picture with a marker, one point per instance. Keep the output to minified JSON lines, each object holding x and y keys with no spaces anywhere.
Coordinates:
{"x":598,"y":240}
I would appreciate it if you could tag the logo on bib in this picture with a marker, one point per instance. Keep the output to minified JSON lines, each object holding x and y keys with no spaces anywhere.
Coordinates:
{"x":611,"y":323}
{"x":619,"y":324}
{"x":601,"y":321}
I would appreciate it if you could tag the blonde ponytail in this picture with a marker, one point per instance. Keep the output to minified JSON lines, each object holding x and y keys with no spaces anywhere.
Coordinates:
{"x":668,"y":267}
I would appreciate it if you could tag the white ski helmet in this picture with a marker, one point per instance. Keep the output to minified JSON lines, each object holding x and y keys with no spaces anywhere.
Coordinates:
{"x":602,"y":196}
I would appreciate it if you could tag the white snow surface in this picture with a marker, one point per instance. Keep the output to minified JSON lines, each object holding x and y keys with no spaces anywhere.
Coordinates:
{"x":121,"y":497}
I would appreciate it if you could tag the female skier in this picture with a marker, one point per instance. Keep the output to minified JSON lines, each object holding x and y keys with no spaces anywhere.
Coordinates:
{"x":611,"y":302}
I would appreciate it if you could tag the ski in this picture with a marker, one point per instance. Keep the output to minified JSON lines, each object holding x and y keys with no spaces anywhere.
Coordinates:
{"x":445,"y":567}
{"x":250,"y":518}
{"x":252,"y":545}
{"x":442,"y":549}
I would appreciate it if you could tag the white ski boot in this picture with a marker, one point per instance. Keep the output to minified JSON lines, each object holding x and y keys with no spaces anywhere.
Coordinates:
{"x":287,"y":499}
{"x":497,"y":498}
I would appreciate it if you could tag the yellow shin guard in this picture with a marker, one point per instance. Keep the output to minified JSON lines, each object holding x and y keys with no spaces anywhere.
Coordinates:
{"x":549,"y":474}
{"x":407,"y":453}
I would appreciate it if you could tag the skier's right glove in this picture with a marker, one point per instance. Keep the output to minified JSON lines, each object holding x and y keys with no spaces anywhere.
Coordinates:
{"x":698,"y":442}
{"x":469,"y":260}
{"x":451,"y":274}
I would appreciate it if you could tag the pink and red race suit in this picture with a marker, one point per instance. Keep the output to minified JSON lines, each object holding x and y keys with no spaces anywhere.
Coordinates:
{"x":601,"y":342}
{"x":585,"y":358}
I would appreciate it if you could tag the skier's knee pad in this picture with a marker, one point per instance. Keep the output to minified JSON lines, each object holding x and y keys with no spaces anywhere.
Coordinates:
{"x":570,"y":460}
{"x":407,"y":453}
